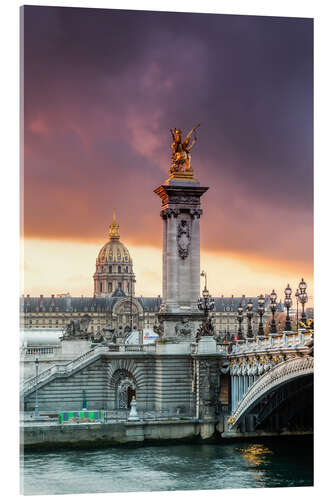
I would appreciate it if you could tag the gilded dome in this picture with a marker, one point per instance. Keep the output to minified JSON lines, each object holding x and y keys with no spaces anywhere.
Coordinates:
{"x":114,"y":251}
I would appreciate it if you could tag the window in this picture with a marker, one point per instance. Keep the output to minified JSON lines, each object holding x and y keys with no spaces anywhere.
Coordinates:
{"x":120,"y":285}
{"x":101,"y":287}
{"x":110,"y":269}
{"x":127,"y":269}
{"x":119,"y":269}
{"x":109,"y":287}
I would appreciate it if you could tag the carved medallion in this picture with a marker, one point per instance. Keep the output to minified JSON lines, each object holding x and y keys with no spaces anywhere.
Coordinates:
{"x":183,"y":239}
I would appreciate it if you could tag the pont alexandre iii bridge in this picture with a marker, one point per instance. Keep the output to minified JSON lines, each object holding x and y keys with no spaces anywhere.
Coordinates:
{"x":271,"y":382}
{"x":251,"y":386}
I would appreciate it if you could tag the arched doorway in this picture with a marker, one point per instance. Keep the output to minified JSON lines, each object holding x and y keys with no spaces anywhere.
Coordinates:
{"x":125,"y":389}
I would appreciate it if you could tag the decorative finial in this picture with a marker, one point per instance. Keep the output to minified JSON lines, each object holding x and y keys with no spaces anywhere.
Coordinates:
{"x":114,"y":228}
{"x":181,"y":167}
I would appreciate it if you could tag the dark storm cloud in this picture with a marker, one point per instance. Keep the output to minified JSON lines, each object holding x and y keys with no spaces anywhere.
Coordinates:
{"x":102,"y":89}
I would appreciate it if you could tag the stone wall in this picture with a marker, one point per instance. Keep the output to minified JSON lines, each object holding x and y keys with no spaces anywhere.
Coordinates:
{"x":76,"y":435}
{"x":163,"y":382}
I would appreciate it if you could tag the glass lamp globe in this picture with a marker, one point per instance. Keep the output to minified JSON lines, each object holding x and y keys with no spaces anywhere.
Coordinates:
{"x":261,"y":300}
{"x":302,"y":286}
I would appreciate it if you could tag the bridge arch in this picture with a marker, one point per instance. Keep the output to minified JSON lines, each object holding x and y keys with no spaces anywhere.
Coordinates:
{"x":279,"y":375}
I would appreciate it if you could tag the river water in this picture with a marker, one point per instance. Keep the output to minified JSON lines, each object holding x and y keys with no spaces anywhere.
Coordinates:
{"x":257,"y":464}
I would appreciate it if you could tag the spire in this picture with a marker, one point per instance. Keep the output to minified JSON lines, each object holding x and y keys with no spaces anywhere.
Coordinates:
{"x":114,"y":228}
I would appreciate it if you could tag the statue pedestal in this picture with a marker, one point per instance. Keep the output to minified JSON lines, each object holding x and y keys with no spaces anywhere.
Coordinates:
{"x":181,"y":325}
{"x":71,"y":349}
{"x":172,"y":346}
{"x":207,"y":345}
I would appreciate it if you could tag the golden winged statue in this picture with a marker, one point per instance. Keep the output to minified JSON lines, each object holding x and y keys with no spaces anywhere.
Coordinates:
{"x":181,"y":158}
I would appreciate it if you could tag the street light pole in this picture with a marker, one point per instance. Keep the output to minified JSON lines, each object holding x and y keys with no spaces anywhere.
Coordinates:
{"x":288,"y":303}
{"x":249,"y":314}
{"x":36,"y":392}
{"x":261,"y":311}
{"x":206,"y":304}
{"x":297,"y":301}
{"x":303,"y":297}
{"x":273,"y":298}
{"x":240,"y":320}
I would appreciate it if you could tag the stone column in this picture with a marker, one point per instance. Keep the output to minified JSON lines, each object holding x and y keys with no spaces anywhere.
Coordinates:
{"x":165,"y":249}
{"x":171,"y":267}
{"x":181,"y":258}
{"x":233,"y":392}
{"x":195,"y":260}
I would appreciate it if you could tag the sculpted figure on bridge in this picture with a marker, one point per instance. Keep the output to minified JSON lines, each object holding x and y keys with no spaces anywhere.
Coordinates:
{"x":184,"y":328}
{"x":77,"y":328}
{"x":181,"y":158}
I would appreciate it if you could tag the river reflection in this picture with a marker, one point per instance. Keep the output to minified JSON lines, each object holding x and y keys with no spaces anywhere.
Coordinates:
{"x":255,"y":454}
{"x":169,"y":468}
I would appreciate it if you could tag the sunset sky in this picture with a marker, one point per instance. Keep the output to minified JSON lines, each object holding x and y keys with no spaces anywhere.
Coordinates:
{"x":102,"y":88}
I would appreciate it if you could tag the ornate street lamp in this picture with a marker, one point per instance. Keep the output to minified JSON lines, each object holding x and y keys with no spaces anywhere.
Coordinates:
{"x":303,"y":298}
{"x":261,"y":311}
{"x":249,"y":314}
{"x":273,"y":298}
{"x":297,"y":293}
{"x":240,"y":319}
{"x":36,"y":393}
{"x":206,"y":303}
{"x":288,"y":303}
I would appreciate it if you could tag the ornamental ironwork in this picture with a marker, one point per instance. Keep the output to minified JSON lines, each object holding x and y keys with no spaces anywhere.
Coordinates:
{"x":281,"y":373}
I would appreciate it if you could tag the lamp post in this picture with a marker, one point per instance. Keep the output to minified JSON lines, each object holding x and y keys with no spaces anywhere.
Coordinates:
{"x":131,"y":310}
{"x":240,"y":320}
{"x":303,"y":298}
{"x":36,"y":393}
{"x":261,"y":312}
{"x":273,"y":298}
{"x":249,"y":314}
{"x":206,"y":304}
{"x":297,"y":301}
{"x":288,"y":303}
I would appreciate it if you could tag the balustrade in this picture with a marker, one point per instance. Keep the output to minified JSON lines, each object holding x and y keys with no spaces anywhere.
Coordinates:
{"x":39,"y":352}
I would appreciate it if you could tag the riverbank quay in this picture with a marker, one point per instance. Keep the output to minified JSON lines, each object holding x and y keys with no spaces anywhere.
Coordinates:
{"x":52,"y":435}
{"x":44,"y":435}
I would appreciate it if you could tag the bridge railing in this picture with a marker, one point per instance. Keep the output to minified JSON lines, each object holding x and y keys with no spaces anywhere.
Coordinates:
{"x":286,"y":339}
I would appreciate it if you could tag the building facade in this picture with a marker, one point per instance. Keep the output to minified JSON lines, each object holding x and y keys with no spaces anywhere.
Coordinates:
{"x":114,"y":305}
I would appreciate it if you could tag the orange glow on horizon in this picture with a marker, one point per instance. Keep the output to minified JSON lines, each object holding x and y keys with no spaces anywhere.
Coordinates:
{"x":54,"y":266}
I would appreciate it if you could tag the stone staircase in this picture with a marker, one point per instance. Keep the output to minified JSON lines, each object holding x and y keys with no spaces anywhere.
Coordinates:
{"x":46,"y":376}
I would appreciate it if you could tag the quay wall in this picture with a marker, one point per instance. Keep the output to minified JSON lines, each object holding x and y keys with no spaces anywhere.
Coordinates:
{"x":117,"y":433}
